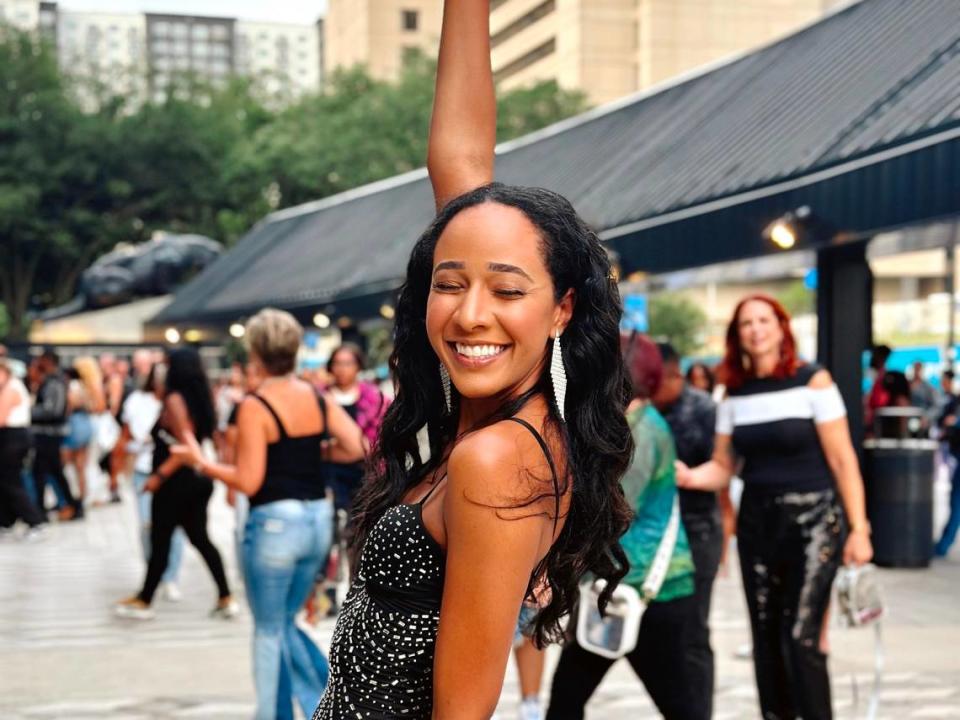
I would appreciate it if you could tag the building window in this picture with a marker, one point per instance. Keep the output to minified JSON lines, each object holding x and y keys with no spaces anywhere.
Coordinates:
{"x":523,"y":22}
{"x":411,"y":19}
{"x":525,"y":61}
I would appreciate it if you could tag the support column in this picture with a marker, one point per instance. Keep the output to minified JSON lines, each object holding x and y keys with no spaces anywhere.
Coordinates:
{"x":845,"y":322}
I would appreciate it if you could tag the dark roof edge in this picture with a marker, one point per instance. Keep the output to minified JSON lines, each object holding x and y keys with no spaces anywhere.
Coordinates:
{"x":780,"y":187}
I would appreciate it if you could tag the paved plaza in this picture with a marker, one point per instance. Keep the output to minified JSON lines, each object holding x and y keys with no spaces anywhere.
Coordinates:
{"x":63,"y":654}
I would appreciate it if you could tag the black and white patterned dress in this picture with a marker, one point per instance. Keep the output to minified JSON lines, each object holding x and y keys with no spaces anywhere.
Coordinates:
{"x":381,"y":658}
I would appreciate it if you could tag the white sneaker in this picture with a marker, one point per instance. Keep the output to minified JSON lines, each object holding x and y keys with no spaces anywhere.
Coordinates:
{"x":38,"y":533}
{"x":171,"y":592}
{"x":134,"y":608}
{"x":227,"y":611}
{"x":530,"y":709}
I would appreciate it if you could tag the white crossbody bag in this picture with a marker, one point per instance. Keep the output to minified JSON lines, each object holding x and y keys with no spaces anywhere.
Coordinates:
{"x":614,"y":634}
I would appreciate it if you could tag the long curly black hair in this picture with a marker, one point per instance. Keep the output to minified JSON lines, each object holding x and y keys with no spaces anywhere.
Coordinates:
{"x":597,"y":441}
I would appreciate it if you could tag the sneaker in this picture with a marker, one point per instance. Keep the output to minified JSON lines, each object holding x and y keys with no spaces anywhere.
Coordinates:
{"x":134,"y":608}
{"x":37,"y":533}
{"x":225,"y":609}
{"x":7,"y":533}
{"x":530,"y":709}
{"x":171,"y":592}
{"x":115,"y":498}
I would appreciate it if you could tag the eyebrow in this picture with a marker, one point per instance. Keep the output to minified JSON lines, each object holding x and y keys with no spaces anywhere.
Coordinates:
{"x":493,"y":267}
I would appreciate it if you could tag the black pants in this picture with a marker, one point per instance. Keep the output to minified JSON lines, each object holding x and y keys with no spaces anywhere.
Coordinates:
{"x":790,"y":547}
{"x":705,"y":534}
{"x":658,"y":660}
{"x":14,"y":501}
{"x":47,"y":462}
{"x":181,"y":501}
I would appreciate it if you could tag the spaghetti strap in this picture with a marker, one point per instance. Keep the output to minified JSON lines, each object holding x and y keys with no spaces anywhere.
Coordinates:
{"x":553,"y":469}
{"x":430,"y":492}
{"x":269,"y":407}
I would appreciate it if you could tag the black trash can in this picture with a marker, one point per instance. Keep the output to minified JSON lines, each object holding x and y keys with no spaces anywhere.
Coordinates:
{"x":898,"y":475}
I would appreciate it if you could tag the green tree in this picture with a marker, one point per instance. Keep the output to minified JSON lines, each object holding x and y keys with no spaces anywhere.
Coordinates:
{"x":361,"y":130}
{"x":798,"y":299}
{"x":678,"y":320}
{"x":55,"y":194}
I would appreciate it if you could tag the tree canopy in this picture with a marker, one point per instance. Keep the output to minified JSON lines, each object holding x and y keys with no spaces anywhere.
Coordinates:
{"x":79,"y":176}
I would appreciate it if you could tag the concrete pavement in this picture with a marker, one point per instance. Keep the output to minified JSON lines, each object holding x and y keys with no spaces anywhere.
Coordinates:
{"x":63,"y":654}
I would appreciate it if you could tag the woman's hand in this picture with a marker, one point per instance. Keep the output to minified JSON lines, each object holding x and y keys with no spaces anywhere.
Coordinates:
{"x":152,"y":484}
{"x":685,"y":477}
{"x":189,"y":451}
{"x":858,"y":549}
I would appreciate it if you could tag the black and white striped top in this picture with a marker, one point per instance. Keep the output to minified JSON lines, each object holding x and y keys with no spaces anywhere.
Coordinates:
{"x":773,"y":425}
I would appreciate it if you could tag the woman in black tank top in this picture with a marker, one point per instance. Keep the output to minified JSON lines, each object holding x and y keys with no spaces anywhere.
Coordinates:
{"x":519,"y":493}
{"x":281,"y":430}
{"x":180,"y":494}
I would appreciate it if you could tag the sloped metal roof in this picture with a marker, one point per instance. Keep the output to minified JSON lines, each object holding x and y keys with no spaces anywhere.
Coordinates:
{"x":858,"y":114}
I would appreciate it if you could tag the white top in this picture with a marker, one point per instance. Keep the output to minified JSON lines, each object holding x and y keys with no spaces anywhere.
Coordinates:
{"x":20,"y":413}
{"x":818,"y":404}
{"x":139,"y":414}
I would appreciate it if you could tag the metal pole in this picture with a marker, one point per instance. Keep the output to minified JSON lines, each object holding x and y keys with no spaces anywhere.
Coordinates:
{"x":951,"y":282}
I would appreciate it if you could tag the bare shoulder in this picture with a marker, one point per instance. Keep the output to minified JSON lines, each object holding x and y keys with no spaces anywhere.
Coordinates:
{"x":821,"y":380}
{"x":499,"y":465}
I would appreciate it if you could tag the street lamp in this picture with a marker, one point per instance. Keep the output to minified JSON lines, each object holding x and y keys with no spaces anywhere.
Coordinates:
{"x":237,"y":330}
{"x":321,"y":320}
{"x":171,"y":335}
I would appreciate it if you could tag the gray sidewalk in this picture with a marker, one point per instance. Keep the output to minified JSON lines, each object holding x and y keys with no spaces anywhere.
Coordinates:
{"x":63,"y":655}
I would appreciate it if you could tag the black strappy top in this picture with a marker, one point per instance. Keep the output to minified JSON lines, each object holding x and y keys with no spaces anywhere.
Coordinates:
{"x":295,"y":466}
{"x":381,"y":657}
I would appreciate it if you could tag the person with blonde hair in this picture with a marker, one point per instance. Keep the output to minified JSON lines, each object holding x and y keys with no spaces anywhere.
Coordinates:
{"x":281,"y":428}
{"x":85,"y":400}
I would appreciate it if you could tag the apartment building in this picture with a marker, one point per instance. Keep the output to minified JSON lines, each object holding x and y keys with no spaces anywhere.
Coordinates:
{"x":610,"y":48}
{"x":380,"y":33}
{"x":138,"y":54}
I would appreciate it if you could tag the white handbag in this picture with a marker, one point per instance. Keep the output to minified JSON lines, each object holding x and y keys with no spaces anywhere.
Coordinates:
{"x":615,"y":633}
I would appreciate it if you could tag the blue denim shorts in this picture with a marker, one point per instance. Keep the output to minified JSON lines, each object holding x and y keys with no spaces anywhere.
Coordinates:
{"x":80,"y":431}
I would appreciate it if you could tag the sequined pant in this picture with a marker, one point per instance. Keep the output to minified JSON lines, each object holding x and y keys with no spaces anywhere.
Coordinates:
{"x":790,"y":548}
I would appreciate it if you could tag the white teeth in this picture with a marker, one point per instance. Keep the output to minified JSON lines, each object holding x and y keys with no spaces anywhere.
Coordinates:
{"x":479,"y":351}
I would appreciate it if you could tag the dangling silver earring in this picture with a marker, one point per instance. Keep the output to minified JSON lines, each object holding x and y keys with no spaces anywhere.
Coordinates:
{"x":445,"y":382}
{"x":558,"y":376}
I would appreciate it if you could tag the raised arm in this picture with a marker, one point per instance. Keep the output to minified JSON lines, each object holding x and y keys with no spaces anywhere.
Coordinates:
{"x":463,"y":129}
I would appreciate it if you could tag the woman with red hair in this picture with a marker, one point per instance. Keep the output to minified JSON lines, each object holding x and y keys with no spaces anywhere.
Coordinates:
{"x":784,"y":425}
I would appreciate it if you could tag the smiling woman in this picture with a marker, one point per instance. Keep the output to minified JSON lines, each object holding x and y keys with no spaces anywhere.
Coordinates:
{"x":514,"y":502}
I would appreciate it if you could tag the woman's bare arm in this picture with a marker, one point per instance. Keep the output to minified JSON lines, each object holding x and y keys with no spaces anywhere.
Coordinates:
{"x":712,"y":475}
{"x":491,"y":553}
{"x":838,"y":449}
{"x":463,"y":129}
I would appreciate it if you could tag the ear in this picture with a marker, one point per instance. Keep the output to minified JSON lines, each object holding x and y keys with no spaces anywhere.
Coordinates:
{"x":564,"y":310}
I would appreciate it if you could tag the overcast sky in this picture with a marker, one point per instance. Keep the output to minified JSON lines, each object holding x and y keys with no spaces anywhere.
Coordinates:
{"x":276,"y":10}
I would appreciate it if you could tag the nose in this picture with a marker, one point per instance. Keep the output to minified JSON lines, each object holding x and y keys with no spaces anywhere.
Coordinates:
{"x":473,"y":311}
